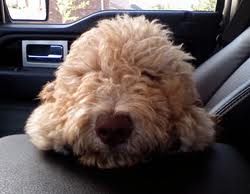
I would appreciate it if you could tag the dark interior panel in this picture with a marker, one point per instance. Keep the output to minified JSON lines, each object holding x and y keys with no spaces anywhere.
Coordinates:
{"x":24,"y":83}
{"x":187,"y":28}
{"x":11,"y":46}
{"x":235,"y":127}
{"x":13,"y":115}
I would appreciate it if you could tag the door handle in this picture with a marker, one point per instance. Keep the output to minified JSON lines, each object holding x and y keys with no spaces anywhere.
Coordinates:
{"x":45,"y":53}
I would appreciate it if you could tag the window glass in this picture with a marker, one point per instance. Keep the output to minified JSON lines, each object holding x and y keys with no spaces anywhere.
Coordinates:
{"x":66,"y":11}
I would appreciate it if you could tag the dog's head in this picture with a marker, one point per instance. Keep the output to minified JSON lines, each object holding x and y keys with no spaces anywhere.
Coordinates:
{"x":123,"y":92}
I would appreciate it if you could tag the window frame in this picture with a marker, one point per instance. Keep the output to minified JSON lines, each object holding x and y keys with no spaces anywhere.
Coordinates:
{"x":7,"y":17}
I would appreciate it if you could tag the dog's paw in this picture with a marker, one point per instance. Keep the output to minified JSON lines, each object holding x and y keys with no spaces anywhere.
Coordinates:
{"x":43,"y":128}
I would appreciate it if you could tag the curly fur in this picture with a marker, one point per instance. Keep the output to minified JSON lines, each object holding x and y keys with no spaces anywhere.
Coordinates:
{"x":126,"y":65}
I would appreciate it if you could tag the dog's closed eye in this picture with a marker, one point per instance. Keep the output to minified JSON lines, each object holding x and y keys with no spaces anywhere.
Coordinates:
{"x":150,"y":75}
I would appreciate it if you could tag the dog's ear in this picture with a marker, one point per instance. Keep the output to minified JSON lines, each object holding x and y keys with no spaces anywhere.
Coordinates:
{"x":195,"y":129}
{"x":46,"y":95}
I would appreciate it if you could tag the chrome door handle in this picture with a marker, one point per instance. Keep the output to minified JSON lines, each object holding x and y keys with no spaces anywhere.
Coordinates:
{"x":44,"y":53}
{"x":53,"y":54}
{"x":49,"y":58}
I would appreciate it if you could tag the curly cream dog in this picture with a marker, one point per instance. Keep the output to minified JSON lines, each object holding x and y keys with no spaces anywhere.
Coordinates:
{"x":124,"y":92}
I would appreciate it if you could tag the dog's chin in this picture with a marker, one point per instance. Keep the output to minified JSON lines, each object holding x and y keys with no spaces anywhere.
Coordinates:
{"x":111,"y":158}
{"x":110,"y":162}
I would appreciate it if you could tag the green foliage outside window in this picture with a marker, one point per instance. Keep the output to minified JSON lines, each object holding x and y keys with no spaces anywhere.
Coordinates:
{"x":66,"y":8}
{"x":208,"y":5}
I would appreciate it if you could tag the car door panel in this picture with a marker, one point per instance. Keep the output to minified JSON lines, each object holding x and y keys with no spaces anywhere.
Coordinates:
{"x":188,"y":27}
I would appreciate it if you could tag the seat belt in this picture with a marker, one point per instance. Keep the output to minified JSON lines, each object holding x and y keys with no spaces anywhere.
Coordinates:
{"x":238,"y":23}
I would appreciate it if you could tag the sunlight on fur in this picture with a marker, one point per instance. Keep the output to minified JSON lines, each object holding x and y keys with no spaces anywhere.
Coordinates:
{"x":124,"y":92}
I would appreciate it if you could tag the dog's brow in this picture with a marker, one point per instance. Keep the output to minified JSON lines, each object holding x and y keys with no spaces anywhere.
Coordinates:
{"x":150,"y":76}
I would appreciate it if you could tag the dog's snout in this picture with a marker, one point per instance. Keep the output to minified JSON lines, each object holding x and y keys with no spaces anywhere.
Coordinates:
{"x":115,"y":130}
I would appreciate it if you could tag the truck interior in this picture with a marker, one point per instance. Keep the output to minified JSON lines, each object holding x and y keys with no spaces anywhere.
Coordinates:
{"x":220,"y":42}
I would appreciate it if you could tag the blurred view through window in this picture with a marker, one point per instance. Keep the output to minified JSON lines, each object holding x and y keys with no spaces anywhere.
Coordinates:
{"x":66,"y":11}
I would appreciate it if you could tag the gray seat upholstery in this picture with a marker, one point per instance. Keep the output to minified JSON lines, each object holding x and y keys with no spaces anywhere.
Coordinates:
{"x":225,"y":71}
{"x":24,"y":169}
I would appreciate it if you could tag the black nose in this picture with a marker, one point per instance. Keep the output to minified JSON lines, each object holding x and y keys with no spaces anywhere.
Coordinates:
{"x":114,"y":130}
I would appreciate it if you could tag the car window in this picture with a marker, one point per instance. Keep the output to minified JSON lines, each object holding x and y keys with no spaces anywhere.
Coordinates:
{"x":67,"y":11}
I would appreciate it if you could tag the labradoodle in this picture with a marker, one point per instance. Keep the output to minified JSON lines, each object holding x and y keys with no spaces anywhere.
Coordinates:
{"x":124,"y":92}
